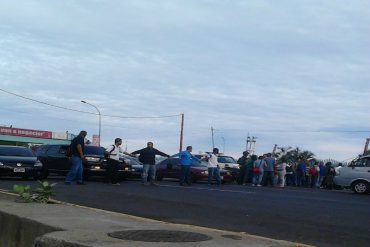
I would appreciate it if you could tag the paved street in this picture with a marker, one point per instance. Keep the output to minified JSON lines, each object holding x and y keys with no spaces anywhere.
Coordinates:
{"x":318,"y":217}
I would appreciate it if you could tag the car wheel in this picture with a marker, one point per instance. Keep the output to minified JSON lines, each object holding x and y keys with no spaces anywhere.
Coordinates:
{"x":361,"y":187}
{"x":158,"y":177}
{"x":192,"y":178}
{"x":43,"y":174}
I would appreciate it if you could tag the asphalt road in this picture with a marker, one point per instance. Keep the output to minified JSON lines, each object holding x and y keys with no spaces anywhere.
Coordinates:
{"x":310,"y":216}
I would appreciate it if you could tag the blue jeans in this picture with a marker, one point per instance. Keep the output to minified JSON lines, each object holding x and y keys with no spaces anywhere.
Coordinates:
{"x":257,"y":178}
{"x":75,"y":172}
{"x":148,"y":170}
{"x":185,"y":174}
{"x":214,"y":171}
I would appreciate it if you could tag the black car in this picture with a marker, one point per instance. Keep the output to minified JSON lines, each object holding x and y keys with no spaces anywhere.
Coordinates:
{"x":55,"y":160}
{"x":19,"y":162}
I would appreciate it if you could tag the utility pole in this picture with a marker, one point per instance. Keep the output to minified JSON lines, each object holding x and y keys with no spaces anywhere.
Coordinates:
{"x":213,"y":140}
{"x":181,"y":131}
{"x":224,"y":142}
{"x":366,"y":145}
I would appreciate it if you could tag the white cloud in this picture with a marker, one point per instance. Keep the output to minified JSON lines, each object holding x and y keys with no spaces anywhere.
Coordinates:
{"x":241,"y":66}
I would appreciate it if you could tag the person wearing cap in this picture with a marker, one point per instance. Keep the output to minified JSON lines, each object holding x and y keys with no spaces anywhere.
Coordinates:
{"x":185,"y":160}
{"x":147,"y":158}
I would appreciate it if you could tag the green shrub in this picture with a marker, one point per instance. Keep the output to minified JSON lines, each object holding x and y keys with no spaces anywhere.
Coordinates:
{"x":42,"y":193}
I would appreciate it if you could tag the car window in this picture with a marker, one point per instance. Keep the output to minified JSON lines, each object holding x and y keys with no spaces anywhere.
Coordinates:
{"x":63,"y":149}
{"x":16,"y":151}
{"x":53,"y":150}
{"x":94,"y":150}
{"x":226,"y":159}
{"x":362,"y":163}
{"x":368,"y":162}
{"x":198,"y":163}
{"x":42,"y":150}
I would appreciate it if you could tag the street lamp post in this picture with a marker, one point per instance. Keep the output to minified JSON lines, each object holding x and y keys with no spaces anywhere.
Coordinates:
{"x":83,"y":101}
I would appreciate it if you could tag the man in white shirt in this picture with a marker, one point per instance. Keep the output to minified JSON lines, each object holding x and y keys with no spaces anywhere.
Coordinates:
{"x":112,"y":153}
{"x":213,"y":168}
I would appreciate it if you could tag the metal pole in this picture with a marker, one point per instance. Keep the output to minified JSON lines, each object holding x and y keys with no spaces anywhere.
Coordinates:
{"x":213,"y":141}
{"x":83,"y":101}
{"x":224,"y":142}
{"x":181,"y":131}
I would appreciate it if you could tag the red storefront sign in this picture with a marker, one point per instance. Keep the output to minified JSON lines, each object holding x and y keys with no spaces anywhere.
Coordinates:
{"x":25,"y":132}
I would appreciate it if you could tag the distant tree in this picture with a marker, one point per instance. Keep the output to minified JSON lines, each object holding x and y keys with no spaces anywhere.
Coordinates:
{"x":295,"y":154}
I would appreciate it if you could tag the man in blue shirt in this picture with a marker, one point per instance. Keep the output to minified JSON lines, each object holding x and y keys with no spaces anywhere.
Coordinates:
{"x":185,"y":160}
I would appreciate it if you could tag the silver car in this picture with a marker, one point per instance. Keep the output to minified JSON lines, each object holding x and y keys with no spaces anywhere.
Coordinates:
{"x":356,"y":175}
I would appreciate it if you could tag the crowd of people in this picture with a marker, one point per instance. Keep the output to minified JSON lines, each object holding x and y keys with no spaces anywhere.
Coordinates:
{"x":264,"y":170}
{"x":267,"y":171}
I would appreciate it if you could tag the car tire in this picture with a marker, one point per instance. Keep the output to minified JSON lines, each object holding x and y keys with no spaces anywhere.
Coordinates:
{"x":43,"y":174}
{"x":192,"y":178}
{"x":361,"y":187}
{"x":158,"y":177}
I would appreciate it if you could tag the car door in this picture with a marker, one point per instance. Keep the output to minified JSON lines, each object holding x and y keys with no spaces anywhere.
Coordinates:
{"x":57,"y":160}
{"x":361,"y":169}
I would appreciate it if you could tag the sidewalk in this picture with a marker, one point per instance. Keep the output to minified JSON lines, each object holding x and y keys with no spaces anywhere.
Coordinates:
{"x":61,"y":224}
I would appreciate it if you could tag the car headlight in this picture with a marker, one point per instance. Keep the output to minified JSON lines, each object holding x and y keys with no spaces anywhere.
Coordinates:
{"x":38,"y":164}
{"x":204,"y":172}
{"x":92,"y":159}
{"x":1,"y":164}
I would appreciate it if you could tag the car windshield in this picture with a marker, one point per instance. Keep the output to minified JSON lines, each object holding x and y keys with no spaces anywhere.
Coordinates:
{"x":198,"y":163}
{"x":16,"y":151}
{"x":93,"y":150}
{"x":226,"y":159}
{"x":133,"y":161}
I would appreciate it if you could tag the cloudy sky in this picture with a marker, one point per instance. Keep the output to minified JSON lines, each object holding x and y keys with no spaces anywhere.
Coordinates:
{"x":294,"y":73}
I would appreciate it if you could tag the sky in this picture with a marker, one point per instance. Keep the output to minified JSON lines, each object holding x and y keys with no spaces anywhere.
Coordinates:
{"x":291,"y":73}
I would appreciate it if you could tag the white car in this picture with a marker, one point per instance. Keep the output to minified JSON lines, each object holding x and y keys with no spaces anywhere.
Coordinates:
{"x":226,"y":162}
{"x":356,"y":175}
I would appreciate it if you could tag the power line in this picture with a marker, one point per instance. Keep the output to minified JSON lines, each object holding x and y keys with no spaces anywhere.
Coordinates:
{"x":86,"y":112}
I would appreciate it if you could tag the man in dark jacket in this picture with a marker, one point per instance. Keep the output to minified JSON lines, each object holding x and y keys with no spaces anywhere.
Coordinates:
{"x":147,"y":158}
{"x":77,"y":149}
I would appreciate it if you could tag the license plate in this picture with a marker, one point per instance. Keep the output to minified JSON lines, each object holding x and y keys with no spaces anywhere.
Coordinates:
{"x":19,"y":170}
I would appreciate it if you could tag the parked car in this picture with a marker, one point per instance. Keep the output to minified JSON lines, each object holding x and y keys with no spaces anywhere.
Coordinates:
{"x":170,"y":168}
{"x":19,"y":162}
{"x":55,"y":160}
{"x":225,"y":162}
{"x":356,"y":175}
{"x":136,"y":166}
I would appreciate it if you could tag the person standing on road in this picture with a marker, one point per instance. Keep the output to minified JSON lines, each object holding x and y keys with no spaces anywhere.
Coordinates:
{"x":77,"y":151}
{"x":241,"y":161}
{"x":112,"y":153}
{"x":213,"y":168}
{"x":281,"y":172}
{"x":185,"y":160}
{"x":268,"y":176}
{"x":147,"y":158}
{"x":258,"y":166}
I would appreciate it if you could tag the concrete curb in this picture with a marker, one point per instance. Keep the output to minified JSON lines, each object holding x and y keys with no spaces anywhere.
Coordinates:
{"x":67,"y":225}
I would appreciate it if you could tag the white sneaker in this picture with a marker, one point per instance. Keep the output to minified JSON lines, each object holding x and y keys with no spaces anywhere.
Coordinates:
{"x":258,"y":185}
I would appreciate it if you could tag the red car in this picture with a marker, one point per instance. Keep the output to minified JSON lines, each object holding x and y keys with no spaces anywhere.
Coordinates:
{"x":170,"y":168}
